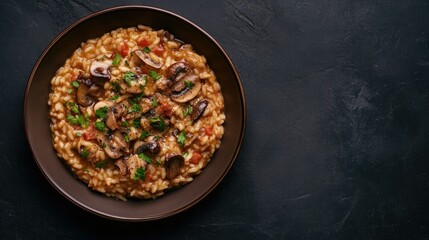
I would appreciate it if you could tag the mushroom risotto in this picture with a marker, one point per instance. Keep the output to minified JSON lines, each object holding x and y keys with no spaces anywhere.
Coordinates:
{"x":136,"y":112}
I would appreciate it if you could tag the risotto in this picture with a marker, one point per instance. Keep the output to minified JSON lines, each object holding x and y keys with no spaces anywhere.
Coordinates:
{"x":136,"y":112}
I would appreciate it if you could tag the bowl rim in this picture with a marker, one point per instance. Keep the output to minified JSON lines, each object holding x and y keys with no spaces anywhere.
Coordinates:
{"x":75,"y":200}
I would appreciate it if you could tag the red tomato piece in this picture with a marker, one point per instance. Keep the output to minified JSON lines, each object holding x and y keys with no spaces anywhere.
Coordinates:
{"x":124,"y":49}
{"x":208,"y":131}
{"x":158,"y":50}
{"x":143,"y":43}
{"x":196,"y":157}
{"x":90,"y":133}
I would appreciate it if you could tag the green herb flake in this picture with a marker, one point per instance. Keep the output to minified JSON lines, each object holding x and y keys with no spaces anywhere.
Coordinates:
{"x":185,"y":155}
{"x":116,"y":60}
{"x":75,"y":84}
{"x":73,"y":107}
{"x":83,"y":120}
{"x":116,"y":86}
{"x":125,"y":124}
{"x":78,"y":134}
{"x":145,"y":158}
{"x":72,"y":120}
{"x":114,"y":97}
{"x":127,"y":138}
{"x":188,"y":110}
{"x":134,"y":107}
{"x":101,"y":112}
{"x":100,"y":126}
{"x":144,"y":135}
{"x":158,"y":162}
{"x":103,"y":145}
{"x":84,"y":153}
{"x":69,"y":91}
{"x":136,"y":122}
{"x":127,"y":63}
{"x":102,"y":164}
{"x":146,"y":49}
{"x":154,"y":75}
{"x":140,"y":174}
{"x":189,"y":84}
{"x":181,"y":138}
{"x":128,"y":77}
{"x":154,"y":102}
{"x":158,"y":123}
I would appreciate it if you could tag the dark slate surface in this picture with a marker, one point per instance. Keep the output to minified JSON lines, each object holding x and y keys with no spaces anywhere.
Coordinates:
{"x":337,"y":144}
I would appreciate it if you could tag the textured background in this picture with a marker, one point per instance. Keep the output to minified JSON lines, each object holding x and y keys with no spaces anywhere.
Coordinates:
{"x":337,"y":144}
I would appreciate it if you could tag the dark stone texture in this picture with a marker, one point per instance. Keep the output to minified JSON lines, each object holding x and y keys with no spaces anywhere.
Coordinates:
{"x":337,"y":143}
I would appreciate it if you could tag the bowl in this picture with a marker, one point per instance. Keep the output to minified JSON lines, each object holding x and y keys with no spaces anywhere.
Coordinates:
{"x":38,"y":133}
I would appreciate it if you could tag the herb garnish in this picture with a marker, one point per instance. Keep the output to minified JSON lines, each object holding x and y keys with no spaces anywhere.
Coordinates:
{"x":140,"y":174}
{"x":158,"y":123}
{"x":188,"y":110}
{"x":154,"y":102}
{"x":101,"y":112}
{"x":128,"y":77}
{"x":154,"y":75}
{"x":189,"y":84}
{"x":100,"y":126}
{"x":144,"y":135}
{"x":145,"y":158}
{"x":146,"y":49}
{"x":117,"y":59}
{"x":181,"y":138}
{"x":84,"y":153}
{"x":75,"y":84}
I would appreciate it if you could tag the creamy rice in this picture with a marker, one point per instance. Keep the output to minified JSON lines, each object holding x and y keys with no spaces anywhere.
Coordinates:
{"x":136,"y":112}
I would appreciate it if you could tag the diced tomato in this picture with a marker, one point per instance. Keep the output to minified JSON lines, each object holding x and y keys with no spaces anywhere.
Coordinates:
{"x":124,"y":49}
{"x":158,"y":50}
{"x":143,"y":43}
{"x":74,"y":77}
{"x":208,"y":130}
{"x":196,"y":157}
{"x":148,"y":177}
{"x":90,"y":133}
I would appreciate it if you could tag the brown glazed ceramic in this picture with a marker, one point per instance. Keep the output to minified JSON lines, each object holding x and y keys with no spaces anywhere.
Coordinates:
{"x":37,"y":123}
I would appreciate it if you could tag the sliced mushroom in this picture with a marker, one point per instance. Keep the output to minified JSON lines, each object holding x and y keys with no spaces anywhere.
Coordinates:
{"x":150,"y":146}
{"x":133,"y":163}
{"x":177,"y":70}
{"x":114,"y":145}
{"x":82,"y":96}
{"x":172,"y":166}
{"x":198,"y":109}
{"x":150,"y":59}
{"x":100,"y":69}
{"x":182,"y":93}
{"x":88,"y":92}
{"x":111,"y":120}
{"x":120,"y":163}
{"x":102,"y":104}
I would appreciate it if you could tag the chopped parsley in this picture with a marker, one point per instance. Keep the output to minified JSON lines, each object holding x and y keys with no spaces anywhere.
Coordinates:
{"x":154,"y":102}
{"x":116,"y":60}
{"x":102,"y":164}
{"x":146,"y":49}
{"x":154,"y":75}
{"x":145,"y":158}
{"x":134,"y":107}
{"x":116,"y":86}
{"x":100,"y":126}
{"x":140,"y":174}
{"x":189,"y":84}
{"x":84,"y":153}
{"x":124,"y":124}
{"x":136,"y":122}
{"x":114,"y":97}
{"x":158,"y":162}
{"x":127,"y":138}
{"x":138,"y":97}
{"x":128,"y":77}
{"x":69,"y":91}
{"x":78,"y":120}
{"x":75,"y":84}
{"x":144,"y":135}
{"x":181,"y":138}
{"x":73,"y":107}
{"x":101,"y":112}
{"x":127,"y":63}
{"x":188,"y":110}
{"x":78,"y":134}
{"x":185,"y":154}
{"x":158,"y":123}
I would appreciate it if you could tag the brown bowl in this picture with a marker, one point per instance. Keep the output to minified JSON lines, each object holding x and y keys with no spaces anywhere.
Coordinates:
{"x":37,"y":123}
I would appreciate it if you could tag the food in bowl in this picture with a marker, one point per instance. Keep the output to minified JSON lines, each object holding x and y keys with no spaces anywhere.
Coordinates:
{"x":136,"y":112}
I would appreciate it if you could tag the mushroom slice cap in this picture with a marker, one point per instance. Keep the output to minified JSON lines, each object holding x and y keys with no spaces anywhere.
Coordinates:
{"x":120,"y":163}
{"x":105,"y":103}
{"x":172,"y":165}
{"x":177,"y":70}
{"x":198,"y":109}
{"x":82,"y":96}
{"x":150,"y":146}
{"x":149,"y":59}
{"x":100,"y":69}
{"x":111,"y":120}
{"x":187,"y":93}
